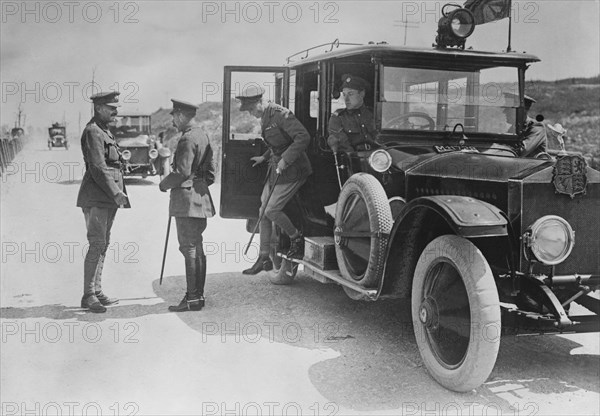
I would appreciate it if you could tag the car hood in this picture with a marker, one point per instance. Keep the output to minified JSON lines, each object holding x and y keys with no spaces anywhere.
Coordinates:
{"x":471,"y":166}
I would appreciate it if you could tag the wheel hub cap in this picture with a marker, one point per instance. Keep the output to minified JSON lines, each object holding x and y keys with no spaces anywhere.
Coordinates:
{"x":336,"y":235}
{"x":428,"y":313}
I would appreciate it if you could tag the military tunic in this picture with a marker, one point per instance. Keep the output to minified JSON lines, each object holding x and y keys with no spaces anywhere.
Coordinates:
{"x":534,"y":138}
{"x":351,"y":130}
{"x":286,"y":139}
{"x":103,"y":178}
{"x":193,"y":172}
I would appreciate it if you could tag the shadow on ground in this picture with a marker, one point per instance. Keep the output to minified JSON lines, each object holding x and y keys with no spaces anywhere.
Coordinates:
{"x":125,"y":309}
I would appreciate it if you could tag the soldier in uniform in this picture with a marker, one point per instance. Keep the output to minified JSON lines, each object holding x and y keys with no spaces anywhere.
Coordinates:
{"x":351,"y":128}
{"x":534,"y":135}
{"x":534,"y":132}
{"x":287,"y":140}
{"x":102,"y":191}
{"x":190,"y":200}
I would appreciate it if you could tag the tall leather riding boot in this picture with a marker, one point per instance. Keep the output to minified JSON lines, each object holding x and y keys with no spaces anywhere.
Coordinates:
{"x":89,"y":275}
{"x":192,"y":301}
{"x":98,"y":273}
{"x":104,"y":300}
{"x":200,"y":273}
{"x":190,"y":277}
{"x":89,"y":300}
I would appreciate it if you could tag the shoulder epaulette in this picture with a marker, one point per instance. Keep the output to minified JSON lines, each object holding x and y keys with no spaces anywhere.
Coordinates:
{"x":276,"y":108}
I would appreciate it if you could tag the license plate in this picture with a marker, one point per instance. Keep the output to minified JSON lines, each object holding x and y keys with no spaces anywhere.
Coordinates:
{"x":457,"y":148}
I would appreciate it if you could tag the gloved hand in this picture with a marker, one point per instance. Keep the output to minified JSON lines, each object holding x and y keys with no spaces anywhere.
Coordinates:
{"x":257,"y":160}
{"x":121,"y":198}
{"x":281,"y":165}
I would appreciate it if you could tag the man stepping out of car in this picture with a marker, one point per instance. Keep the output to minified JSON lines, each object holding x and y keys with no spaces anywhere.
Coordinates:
{"x":287,"y":140}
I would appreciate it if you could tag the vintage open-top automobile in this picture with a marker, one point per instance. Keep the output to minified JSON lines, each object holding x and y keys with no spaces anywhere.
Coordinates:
{"x":142,"y":153}
{"x":57,"y":136}
{"x":440,"y":210}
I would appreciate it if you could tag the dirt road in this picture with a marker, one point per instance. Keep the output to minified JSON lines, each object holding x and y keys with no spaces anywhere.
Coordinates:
{"x":255,"y":348}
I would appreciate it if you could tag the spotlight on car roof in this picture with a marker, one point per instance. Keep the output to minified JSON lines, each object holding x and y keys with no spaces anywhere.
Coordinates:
{"x":454,"y":27}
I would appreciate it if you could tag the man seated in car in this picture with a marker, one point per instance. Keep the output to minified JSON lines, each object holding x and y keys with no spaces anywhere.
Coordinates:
{"x":351,"y":128}
{"x":534,"y":133}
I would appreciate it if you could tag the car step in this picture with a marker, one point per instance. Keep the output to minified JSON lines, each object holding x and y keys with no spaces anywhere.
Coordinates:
{"x":333,"y":275}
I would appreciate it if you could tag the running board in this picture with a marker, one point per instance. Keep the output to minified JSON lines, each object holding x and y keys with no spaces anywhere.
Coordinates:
{"x":335,"y":276}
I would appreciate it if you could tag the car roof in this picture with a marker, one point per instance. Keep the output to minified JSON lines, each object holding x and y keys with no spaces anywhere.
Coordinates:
{"x":437,"y":56}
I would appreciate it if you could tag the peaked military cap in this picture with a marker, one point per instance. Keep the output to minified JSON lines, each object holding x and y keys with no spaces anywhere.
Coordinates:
{"x":108,"y":98}
{"x":250,"y":95}
{"x":183,"y":106}
{"x":354,"y":82}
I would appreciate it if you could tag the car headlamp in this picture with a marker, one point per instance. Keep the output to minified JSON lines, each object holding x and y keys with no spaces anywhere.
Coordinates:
{"x":380,"y":160}
{"x":153,"y":153}
{"x":126,"y":155}
{"x":550,"y":239}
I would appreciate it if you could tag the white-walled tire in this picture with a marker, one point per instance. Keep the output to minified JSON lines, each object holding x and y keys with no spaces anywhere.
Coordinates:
{"x":363,"y":221}
{"x":456,"y":313}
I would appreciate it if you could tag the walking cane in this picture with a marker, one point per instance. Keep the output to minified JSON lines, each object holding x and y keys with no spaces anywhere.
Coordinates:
{"x":262,"y":213}
{"x":162,"y":269}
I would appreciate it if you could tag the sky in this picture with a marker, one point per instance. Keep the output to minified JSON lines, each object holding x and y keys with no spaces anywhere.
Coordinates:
{"x":152,"y":51}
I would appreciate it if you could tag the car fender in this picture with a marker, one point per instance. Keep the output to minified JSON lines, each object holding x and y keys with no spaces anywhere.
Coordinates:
{"x":469,"y":217}
{"x":426,"y":218}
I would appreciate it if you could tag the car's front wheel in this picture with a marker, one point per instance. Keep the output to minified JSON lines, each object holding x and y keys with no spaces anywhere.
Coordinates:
{"x":456,"y":313}
{"x":363,"y":221}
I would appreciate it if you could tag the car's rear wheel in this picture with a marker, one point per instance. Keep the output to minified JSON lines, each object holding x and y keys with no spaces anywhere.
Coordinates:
{"x":456,"y":313}
{"x":284,"y":271}
{"x":363,"y":221}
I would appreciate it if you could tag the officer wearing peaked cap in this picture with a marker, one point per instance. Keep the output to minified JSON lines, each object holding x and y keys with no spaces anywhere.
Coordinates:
{"x":102,"y":191}
{"x":190,"y":200}
{"x":289,"y":167}
{"x":352,"y":128}
{"x":534,"y":136}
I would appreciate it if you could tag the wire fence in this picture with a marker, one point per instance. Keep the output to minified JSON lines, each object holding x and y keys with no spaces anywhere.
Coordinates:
{"x":9,"y":147}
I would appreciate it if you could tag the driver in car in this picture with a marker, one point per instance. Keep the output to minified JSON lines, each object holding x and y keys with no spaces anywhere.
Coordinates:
{"x":351,"y":128}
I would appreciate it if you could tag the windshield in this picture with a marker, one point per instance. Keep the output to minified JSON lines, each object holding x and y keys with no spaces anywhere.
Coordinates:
{"x":132,"y":126}
{"x":437,"y":100}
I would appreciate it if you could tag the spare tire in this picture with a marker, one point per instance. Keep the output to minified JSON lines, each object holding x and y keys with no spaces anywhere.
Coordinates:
{"x":363,"y":221}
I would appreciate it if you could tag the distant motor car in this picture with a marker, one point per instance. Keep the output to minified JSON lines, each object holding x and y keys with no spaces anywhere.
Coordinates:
{"x":17,"y":132}
{"x":143,"y":155}
{"x":57,"y":136}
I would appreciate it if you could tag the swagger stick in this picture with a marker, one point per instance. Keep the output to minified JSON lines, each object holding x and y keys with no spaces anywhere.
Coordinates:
{"x":162,"y":269}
